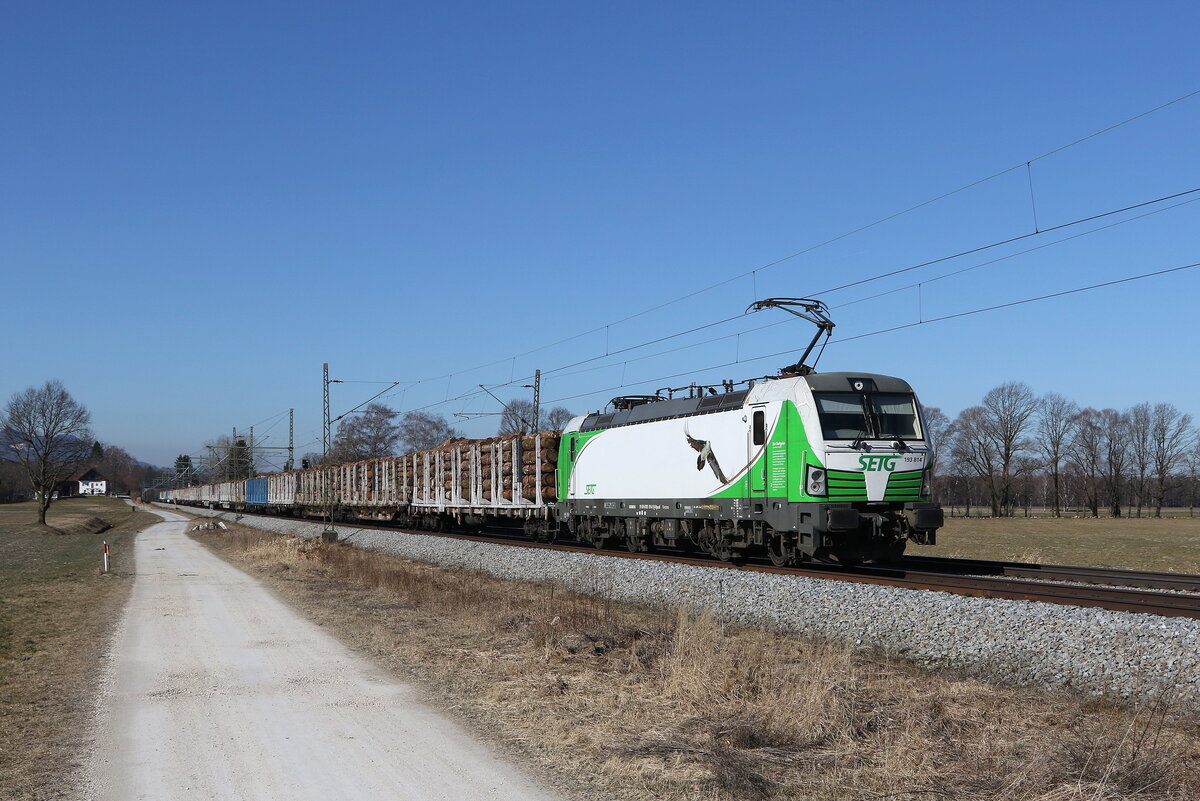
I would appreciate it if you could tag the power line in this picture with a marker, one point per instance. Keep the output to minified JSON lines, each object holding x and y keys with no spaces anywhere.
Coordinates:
{"x":1022,"y":302}
{"x":1008,"y":241}
{"x":753,"y":272}
{"x":880,"y":221}
{"x":971,"y":251}
{"x":953,"y":273}
{"x":957,"y":315}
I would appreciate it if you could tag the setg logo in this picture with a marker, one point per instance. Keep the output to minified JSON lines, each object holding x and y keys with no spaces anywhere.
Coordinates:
{"x":875,"y":463}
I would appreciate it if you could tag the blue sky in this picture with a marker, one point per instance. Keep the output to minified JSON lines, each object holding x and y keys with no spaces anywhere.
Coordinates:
{"x":204,"y":202}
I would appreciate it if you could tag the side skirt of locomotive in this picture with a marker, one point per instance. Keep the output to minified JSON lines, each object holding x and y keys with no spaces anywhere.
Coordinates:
{"x":788,"y":532}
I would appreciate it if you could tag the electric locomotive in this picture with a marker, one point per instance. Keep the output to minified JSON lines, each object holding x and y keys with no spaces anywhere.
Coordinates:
{"x":830,"y":466}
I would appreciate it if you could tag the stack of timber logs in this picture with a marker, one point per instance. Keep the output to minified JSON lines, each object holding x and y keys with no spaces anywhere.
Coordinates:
{"x":485,"y":471}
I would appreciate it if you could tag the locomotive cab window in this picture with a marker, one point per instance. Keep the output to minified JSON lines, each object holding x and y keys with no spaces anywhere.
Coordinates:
{"x":842,"y":415}
{"x":895,"y":416}
{"x":760,"y":428}
{"x":573,"y":439}
{"x":872,"y":415}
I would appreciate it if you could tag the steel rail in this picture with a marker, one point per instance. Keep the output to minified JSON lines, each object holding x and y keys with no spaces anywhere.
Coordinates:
{"x":1112,"y":577}
{"x":1166,"y":604}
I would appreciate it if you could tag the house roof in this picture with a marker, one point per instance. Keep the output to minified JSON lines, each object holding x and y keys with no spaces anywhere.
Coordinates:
{"x":90,"y":474}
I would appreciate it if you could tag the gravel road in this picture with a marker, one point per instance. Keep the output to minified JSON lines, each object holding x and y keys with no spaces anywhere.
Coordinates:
{"x":216,"y":690}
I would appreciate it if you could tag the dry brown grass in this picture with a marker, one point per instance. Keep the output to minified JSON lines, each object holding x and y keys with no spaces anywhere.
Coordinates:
{"x":1140,"y":544}
{"x":56,"y":610}
{"x":615,"y":701}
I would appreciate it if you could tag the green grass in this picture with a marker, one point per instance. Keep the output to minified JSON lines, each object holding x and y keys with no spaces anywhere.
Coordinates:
{"x":1170,"y":544}
{"x":56,"y":610}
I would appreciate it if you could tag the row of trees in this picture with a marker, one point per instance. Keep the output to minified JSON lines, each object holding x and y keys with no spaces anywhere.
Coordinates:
{"x":375,"y":432}
{"x":1017,"y":448}
{"x":379,"y":431}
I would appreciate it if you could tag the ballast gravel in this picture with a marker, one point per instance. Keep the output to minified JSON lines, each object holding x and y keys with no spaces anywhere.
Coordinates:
{"x":1134,"y":656}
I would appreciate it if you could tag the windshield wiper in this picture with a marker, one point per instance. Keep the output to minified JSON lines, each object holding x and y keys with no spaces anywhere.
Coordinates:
{"x":860,"y":441}
{"x":901,"y":443}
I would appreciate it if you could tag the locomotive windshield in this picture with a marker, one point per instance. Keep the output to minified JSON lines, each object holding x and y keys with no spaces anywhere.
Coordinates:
{"x":872,"y":415}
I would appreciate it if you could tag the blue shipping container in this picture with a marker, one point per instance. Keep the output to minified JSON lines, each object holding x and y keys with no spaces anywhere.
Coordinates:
{"x":256,"y":492}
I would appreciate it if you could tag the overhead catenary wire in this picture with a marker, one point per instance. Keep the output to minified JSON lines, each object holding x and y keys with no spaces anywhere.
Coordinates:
{"x":929,"y":280}
{"x":824,"y":243}
{"x":880,"y":276}
{"x":890,"y":329}
{"x":1000,"y":243}
{"x":888,"y":218}
{"x":1006,"y":257}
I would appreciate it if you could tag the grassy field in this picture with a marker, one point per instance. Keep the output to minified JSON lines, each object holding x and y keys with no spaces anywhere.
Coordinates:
{"x":1142,"y":544}
{"x":615,"y":701}
{"x":56,"y":610}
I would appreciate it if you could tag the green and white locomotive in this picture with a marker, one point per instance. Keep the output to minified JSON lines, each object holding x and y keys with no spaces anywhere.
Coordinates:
{"x":827,"y":466}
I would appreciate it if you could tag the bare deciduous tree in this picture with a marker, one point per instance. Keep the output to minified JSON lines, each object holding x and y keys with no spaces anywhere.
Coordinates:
{"x":422,"y":430}
{"x":1139,"y":426}
{"x":1170,"y":431}
{"x":936,"y":425}
{"x":50,"y":434}
{"x":231,"y":459}
{"x":1056,"y":425}
{"x":1009,"y":410}
{"x":369,"y":434}
{"x":990,"y":437}
{"x":557,"y":418}
{"x":1085,"y":452}
{"x":1114,"y":434}
{"x":970,"y":447}
{"x":517,"y":417}
{"x":121,"y":469}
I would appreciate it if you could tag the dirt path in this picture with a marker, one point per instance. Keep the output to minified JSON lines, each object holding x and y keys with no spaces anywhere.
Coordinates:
{"x":216,"y":690}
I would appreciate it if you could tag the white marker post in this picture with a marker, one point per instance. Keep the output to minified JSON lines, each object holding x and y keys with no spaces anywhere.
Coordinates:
{"x":106,"y":556}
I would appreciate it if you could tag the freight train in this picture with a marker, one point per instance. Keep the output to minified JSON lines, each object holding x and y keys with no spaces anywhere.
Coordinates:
{"x":803,"y":466}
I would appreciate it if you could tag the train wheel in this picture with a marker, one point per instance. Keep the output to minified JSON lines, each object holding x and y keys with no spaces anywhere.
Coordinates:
{"x":849,"y":558}
{"x":723,"y":550}
{"x":781,"y":554}
{"x":890,"y":551}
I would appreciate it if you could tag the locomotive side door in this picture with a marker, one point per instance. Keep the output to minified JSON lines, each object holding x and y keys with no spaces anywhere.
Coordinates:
{"x":756,"y":454}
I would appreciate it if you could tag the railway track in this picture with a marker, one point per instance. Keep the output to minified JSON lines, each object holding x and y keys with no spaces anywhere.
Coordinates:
{"x":1111,"y":577}
{"x":1166,"y":594}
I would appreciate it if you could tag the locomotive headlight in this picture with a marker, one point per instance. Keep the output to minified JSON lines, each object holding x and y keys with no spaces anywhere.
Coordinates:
{"x":815,"y":481}
{"x":926,"y":482}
